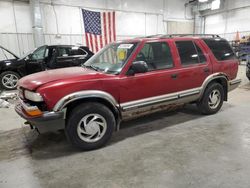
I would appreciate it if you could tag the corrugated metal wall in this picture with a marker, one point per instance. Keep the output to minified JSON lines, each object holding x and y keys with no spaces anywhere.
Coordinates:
{"x":234,"y":17}
{"x":62,"y":20}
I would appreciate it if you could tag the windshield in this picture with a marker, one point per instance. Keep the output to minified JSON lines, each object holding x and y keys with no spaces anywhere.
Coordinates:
{"x":111,"y":58}
{"x":27,"y":53}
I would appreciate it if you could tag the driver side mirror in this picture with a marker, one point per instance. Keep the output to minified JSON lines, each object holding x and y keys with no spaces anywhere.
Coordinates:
{"x":138,"y":67}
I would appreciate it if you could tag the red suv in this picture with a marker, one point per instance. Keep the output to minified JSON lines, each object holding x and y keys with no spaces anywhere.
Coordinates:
{"x":129,"y":79}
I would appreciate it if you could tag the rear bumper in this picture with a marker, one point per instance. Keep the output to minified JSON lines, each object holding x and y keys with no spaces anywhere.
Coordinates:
{"x":233,"y":84}
{"x":47,"y":122}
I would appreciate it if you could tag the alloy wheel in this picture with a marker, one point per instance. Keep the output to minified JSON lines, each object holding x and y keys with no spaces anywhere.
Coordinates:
{"x":10,"y":81}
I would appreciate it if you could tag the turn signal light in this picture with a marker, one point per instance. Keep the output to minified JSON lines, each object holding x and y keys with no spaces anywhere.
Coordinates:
{"x":35,"y":112}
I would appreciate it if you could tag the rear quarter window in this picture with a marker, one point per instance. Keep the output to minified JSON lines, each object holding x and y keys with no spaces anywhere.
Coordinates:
{"x":221,"y":49}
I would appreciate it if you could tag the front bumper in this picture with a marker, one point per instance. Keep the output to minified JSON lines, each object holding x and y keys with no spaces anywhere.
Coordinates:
{"x":47,"y":122}
{"x":233,"y":84}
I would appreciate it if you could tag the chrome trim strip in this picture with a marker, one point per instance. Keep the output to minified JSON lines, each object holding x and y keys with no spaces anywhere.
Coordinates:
{"x":233,"y":84}
{"x":162,"y":98}
{"x":235,"y":81}
{"x":84,"y":94}
{"x":189,"y":93}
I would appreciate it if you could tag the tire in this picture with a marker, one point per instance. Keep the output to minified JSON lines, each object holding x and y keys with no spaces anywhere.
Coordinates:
{"x":90,"y":126}
{"x":8,"y":80}
{"x":212,"y":99}
{"x":248,"y":78}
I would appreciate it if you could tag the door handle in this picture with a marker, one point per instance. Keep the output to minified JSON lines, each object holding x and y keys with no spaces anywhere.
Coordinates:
{"x":174,"y":76}
{"x":206,"y":69}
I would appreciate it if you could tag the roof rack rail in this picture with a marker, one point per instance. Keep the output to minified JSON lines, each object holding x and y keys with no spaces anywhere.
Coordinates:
{"x":150,"y":36}
{"x":184,"y":35}
{"x":179,"y":35}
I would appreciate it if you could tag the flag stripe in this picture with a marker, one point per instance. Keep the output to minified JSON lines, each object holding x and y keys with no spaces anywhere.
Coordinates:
{"x":96,"y":44}
{"x":87,"y":39}
{"x":91,"y":42}
{"x":109,"y":26}
{"x":104,"y":26}
{"x":101,"y":44}
{"x":114,"y":33}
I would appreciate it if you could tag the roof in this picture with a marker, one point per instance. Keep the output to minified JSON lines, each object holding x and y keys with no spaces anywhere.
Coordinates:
{"x":64,"y":45}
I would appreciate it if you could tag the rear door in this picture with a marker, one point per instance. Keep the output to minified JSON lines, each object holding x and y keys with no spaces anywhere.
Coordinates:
{"x":70,"y":56}
{"x":195,"y":66}
{"x":63,"y":59}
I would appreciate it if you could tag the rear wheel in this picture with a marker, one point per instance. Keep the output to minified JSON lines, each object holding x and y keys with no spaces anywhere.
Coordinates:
{"x":212,"y":99}
{"x":9,"y":80}
{"x":90,"y":126}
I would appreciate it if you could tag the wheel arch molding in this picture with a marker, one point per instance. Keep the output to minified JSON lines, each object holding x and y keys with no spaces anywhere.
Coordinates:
{"x":220,"y":78}
{"x":90,"y":96}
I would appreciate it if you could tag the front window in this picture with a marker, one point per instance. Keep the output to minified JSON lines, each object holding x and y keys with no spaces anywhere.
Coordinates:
{"x":112,"y":58}
{"x":38,"y":54}
{"x":157,"y":55}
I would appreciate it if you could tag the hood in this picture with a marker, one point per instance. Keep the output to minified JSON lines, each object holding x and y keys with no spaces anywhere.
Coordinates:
{"x":33,"y":81}
{"x":4,"y":49}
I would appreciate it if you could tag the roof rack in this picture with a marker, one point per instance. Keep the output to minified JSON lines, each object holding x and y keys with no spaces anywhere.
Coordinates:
{"x":200,"y":35}
{"x":181,"y":35}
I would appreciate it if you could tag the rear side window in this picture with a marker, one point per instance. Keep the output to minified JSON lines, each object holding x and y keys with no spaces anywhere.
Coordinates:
{"x":202,"y":57}
{"x":190,"y":53}
{"x":220,"y":48}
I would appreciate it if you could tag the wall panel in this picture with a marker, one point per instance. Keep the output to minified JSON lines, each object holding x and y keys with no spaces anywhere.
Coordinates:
{"x":62,"y":20}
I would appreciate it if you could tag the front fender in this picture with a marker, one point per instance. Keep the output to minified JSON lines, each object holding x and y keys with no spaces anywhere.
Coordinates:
{"x":82,"y":95}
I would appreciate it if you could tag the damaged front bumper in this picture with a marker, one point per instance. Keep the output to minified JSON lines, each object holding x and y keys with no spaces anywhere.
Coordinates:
{"x":45,"y":122}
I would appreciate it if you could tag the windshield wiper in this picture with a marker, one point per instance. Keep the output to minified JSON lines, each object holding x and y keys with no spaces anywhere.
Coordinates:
{"x":93,"y":67}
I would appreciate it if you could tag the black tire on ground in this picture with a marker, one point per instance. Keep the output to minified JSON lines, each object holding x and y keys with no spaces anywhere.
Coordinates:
{"x":212,"y":99}
{"x":9,"y":75}
{"x":86,"y":119}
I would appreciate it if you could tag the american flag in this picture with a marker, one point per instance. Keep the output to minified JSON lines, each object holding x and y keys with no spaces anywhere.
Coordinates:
{"x":99,"y":28}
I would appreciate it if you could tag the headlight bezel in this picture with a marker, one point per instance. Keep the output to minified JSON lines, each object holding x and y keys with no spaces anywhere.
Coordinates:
{"x":33,"y":96}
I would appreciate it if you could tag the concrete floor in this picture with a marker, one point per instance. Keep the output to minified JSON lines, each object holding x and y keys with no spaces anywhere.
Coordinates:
{"x":177,"y":149}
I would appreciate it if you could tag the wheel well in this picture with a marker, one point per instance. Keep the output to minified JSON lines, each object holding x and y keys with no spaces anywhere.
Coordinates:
{"x":223,"y":82}
{"x":113,"y":109}
{"x":15,"y":71}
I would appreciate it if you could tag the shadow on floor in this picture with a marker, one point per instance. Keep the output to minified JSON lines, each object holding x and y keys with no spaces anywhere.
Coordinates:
{"x":52,"y":145}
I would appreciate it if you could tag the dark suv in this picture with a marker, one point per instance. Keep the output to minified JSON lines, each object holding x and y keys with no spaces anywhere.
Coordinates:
{"x":129,"y":79}
{"x":40,"y":59}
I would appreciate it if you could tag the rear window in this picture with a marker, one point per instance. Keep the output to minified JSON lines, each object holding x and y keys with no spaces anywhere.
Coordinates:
{"x":190,"y":53}
{"x":221,"y":49}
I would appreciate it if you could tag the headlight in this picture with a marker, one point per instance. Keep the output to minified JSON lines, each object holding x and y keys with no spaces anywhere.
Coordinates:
{"x":36,"y":97}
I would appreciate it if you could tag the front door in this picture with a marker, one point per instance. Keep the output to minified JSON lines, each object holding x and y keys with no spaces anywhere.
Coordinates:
{"x":159,"y":80}
{"x":35,"y":61}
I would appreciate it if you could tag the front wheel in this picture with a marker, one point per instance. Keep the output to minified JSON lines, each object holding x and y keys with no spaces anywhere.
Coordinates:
{"x":212,"y":99}
{"x":9,"y":80}
{"x":90,"y":126}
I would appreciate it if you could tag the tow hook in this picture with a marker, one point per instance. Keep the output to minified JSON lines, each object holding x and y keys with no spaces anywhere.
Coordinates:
{"x":28,"y":123}
{"x":31,"y":126}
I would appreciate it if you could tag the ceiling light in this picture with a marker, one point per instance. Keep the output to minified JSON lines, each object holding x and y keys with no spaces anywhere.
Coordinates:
{"x":215,"y":4}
